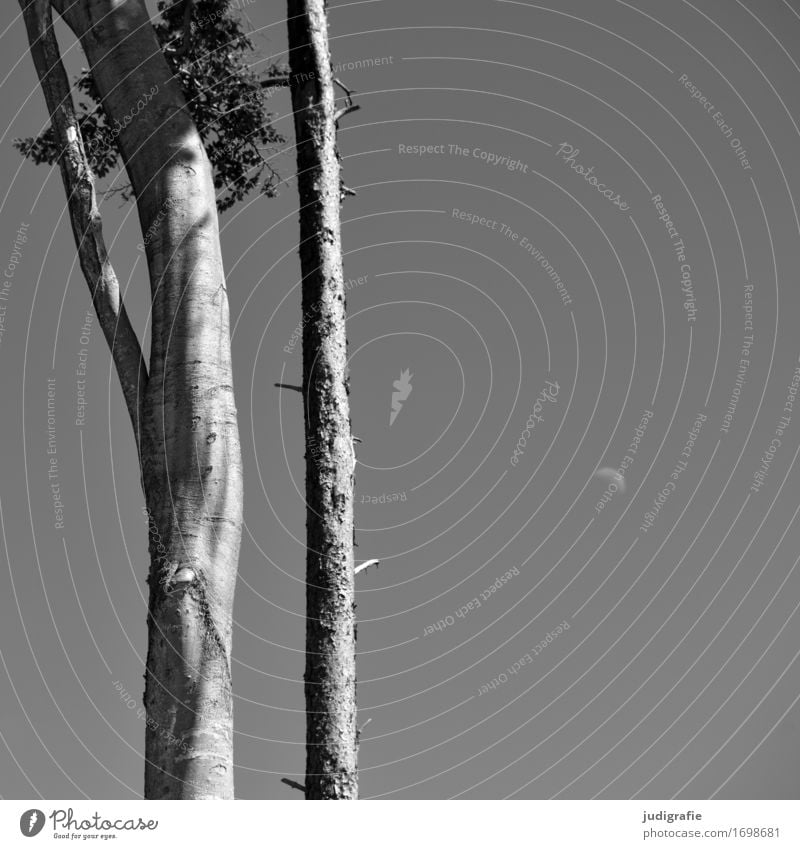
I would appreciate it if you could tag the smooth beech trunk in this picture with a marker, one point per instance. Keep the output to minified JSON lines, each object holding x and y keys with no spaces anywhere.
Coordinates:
{"x":183,"y":411}
{"x":330,"y":674}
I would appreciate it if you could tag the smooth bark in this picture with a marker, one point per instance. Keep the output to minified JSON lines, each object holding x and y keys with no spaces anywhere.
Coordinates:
{"x":186,"y":418}
{"x":330,"y":673}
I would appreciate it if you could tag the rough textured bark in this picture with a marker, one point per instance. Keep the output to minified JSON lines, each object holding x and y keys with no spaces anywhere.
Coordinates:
{"x":330,"y":674}
{"x":187,"y":427}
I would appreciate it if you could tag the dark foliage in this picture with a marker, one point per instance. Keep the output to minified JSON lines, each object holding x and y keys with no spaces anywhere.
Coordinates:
{"x":227,"y":100}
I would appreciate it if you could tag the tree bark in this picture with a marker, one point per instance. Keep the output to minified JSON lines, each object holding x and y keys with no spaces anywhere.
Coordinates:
{"x":87,"y":226}
{"x":330,"y":673}
{"x":187,"y":427}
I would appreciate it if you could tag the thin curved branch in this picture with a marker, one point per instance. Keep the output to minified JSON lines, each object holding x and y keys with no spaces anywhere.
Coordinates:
{"x":87,"y":225}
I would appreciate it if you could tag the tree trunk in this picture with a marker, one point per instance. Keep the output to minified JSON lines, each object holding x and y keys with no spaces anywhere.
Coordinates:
{"x":330,"y":674}
{"x":188,"y":434}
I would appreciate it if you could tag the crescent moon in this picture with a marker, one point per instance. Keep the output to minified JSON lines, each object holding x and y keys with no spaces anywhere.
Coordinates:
{"x":610,"y":475}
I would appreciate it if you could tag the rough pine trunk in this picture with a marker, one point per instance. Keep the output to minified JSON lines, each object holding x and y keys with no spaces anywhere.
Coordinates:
{"x":330,"y":673}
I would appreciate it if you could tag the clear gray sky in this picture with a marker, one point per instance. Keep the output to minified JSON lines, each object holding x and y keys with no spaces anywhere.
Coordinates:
{"x":598,"y":194}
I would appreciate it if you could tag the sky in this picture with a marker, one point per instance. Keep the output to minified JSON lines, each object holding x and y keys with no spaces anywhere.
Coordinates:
{"x":572,"y":281}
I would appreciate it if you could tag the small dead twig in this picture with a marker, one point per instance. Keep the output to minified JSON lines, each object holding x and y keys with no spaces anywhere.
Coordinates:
{"x":348,"y":92}
{"x":294,"y":784}
{"x":272,"y":82}
{"x":346,"y":110}
{"x":345,"y":191}
{"x":364,"y":566}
